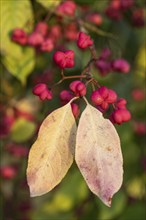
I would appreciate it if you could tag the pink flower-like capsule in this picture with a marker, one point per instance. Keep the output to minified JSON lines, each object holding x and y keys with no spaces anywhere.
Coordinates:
{"x":96,"y":98}
{"x":121,"y":65}
{"x":120,"y":115}
{"x":75,"y":109}
{"x":17,"y":150}
{"x":42,"y":91}
{"x":41,"y":28}
{"x":103,"y":66}
{"x":84,"y":40}
{"x":35,"y":39}
{"x":19,"y":36}
{"x":47,"y":45}
{"x":66,"y":8}
{"x":78,"y":88}
{"x":64,"y":59}
{"x":65,"y":96}
{"x":95,"y":18}
{"x":121,"y":103}
{"x":105,"y":53}
{"x":103,"y":97}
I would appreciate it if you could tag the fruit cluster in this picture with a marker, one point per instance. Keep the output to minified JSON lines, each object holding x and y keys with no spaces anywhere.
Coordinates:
{"x":101,"y":97}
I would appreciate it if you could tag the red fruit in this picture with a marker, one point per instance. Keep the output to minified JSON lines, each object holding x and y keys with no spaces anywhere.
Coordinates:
{"x":113,"y":13}
{"x":96,"y":98}
{"x":105,"y":53}
{"x":95,"y":18}
{"x":121,"y":65}
{"x":78,"y":88}
{"x":66,"y":8}
{"x":121,"y":103}
{"x":55,"y":32}
{"x":41,"y":28}
{"x":35,"y":39}
{"x":104,"y":105}
{"x":103,"y":92}
{"x":8,"y":172}
{"x":75,"y":109}
{"x":121,"y":115}
{"x":47,"y":45}
{"x":42,"y":91}
{"x":103,"y":66}
{"x":112,"y":96}
{"x":19,"y":36}
{"x":84,"y":40}
{"x":64,"y":59}
{"x":71,"y":31}
{"x":65,"y":96}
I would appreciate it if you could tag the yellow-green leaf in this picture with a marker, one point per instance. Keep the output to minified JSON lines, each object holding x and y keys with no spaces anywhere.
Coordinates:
{"x":20,"y":67}
{"x":22,"y":130}
{"x":52,"y":154}
{"x":49,"y":3}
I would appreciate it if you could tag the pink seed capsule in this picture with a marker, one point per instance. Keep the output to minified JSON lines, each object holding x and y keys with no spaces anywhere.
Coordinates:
{"x":75,"y":109}
{"x":78,"y":88}
{"x":64,"y":59}
{"x":19,"y":36}
{"x":66,"y":8}
{"x":42,"y":28}
{"x":112,"y":96}
{"x":121,"y":65}
{"x":35,"y":39}
{"x":96,"y":98}
{"x":84,"y":40}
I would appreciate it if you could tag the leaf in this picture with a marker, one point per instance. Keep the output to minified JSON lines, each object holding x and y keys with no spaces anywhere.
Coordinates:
{"x":52,"y":154}
{"x":49,"y":3}
{"x":18,"y":60}
{"x":22,"y":130}
{"x":20,"y":67}
{"x":98,"y":154}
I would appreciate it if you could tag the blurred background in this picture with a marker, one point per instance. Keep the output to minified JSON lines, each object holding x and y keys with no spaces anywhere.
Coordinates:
{"x":23,"y":66}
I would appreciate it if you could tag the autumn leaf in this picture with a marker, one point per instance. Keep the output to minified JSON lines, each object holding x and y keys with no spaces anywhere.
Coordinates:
{"x":52,"y":154}
{"x":98,"y":154}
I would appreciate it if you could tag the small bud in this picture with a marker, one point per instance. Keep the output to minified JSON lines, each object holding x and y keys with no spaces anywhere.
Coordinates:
{"x":121,"y":103}
{"x":84,"y":40}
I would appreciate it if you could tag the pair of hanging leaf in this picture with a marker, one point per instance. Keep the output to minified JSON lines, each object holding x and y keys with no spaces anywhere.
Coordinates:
{"x":95,"y":144}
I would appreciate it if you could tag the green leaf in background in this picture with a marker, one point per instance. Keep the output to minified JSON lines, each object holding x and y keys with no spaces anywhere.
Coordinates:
{"x":49,"y":3}
{"x":18,"y":60}
{"x":22,"y":130}
{"x":118,"y":205}
{"x":20,"y":67}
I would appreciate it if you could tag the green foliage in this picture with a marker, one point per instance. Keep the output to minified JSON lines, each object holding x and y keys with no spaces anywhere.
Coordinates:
{"x":22,"y":130}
